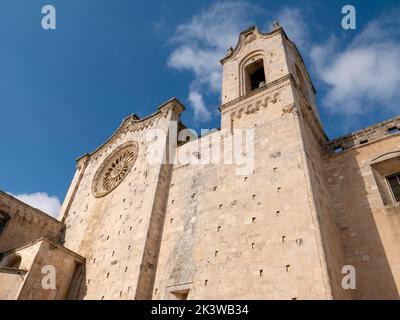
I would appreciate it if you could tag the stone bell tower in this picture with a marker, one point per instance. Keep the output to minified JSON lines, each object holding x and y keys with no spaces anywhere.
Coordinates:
{"x":266,"y":85}
{"x":260,"y":61}
{"x":270,"y":234}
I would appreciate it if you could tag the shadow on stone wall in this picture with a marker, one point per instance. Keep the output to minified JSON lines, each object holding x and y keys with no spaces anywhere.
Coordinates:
{"x":361,"y":239}
{"x":78,"y":288}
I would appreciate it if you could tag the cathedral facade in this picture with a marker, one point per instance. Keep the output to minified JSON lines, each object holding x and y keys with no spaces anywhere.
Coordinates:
{"x":137,"y":223}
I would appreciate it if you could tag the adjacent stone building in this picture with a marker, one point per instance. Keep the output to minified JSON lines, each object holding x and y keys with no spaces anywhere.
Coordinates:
{"x":29,"y":243}
{"x":140,"y":224}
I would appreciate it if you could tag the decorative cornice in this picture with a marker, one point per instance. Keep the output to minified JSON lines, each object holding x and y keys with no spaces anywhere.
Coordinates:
{"x":386,"y":156}
{"x":50,"y":242}
{"x":271,"y":87}
{"x":248,"y":36}
{"x":252,"y":106}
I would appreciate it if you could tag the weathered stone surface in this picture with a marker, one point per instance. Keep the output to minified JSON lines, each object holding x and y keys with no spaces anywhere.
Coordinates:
{"x":200,"y":230}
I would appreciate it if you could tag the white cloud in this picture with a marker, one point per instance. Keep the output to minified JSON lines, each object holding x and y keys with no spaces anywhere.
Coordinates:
{"x":200,"y":110}
{"x":203,"y":63}
{"x":42,"y":201}
{"x":296,"y":28}
{"x":202,"y":42}
{"x":359,"y":76}
{"x":362,"y":76}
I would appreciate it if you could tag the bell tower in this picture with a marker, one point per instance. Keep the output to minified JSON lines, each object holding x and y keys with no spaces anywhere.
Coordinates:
{"x":261,"y":64}
{"x":269,"y":234}
{"x":266,"y":87}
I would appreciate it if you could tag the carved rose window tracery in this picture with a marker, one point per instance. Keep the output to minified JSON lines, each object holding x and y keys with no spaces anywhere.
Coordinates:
{"x":114,"y":169}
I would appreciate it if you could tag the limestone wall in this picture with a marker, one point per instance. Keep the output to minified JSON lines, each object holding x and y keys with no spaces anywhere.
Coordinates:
{"x":313,"y":140}
{"x":10,"y":282}
{"x":119,"y":232}
{"x":331,"y":243}
{"x":369,"y":228}
{"x":45,"y":253}
{"x":229,"y":236}
{"x":26,"y":224}
{"x":282,"y":230}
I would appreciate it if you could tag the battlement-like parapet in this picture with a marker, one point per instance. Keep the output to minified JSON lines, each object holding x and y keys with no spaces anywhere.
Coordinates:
{"x":364,"y":136}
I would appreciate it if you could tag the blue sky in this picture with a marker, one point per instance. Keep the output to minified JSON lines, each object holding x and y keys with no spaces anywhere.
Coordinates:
{"x":63,"y":92}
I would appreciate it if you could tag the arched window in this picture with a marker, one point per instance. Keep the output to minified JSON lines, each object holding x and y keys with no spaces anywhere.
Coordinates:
{"x":394,"y":185}
{"x":254,"y":75}
{"x":386,"y":170}
{"x":13,"y":262}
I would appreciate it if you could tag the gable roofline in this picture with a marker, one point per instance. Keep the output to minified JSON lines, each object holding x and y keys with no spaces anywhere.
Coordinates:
{"x":133,"y":118}
{"x":232,"y":52}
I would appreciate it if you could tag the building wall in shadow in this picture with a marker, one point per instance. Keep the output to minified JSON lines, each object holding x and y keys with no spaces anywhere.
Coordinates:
{"x":370,"y":230}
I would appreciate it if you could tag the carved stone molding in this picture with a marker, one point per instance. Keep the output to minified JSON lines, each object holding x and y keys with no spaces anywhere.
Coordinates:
{"x":271,"y":88}
{"x":289,"y":109}
{"x":250,"y":37}
{"x":386,"y":156}
{"x":256,"y":105}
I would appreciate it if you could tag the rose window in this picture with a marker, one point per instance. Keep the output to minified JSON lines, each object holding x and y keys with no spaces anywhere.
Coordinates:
{"x":114,"y":169}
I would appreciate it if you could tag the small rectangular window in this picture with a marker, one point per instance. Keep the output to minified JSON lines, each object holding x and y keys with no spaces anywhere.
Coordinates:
{"x":393,"y":130}
{"x":394,"y":184}
{"x":338,"y":149}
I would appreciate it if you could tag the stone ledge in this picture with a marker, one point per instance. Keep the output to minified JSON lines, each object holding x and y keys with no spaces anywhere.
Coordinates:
{"x":392,"y":209}
{"x":13,"y":271}
{"x":363,"y":137}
